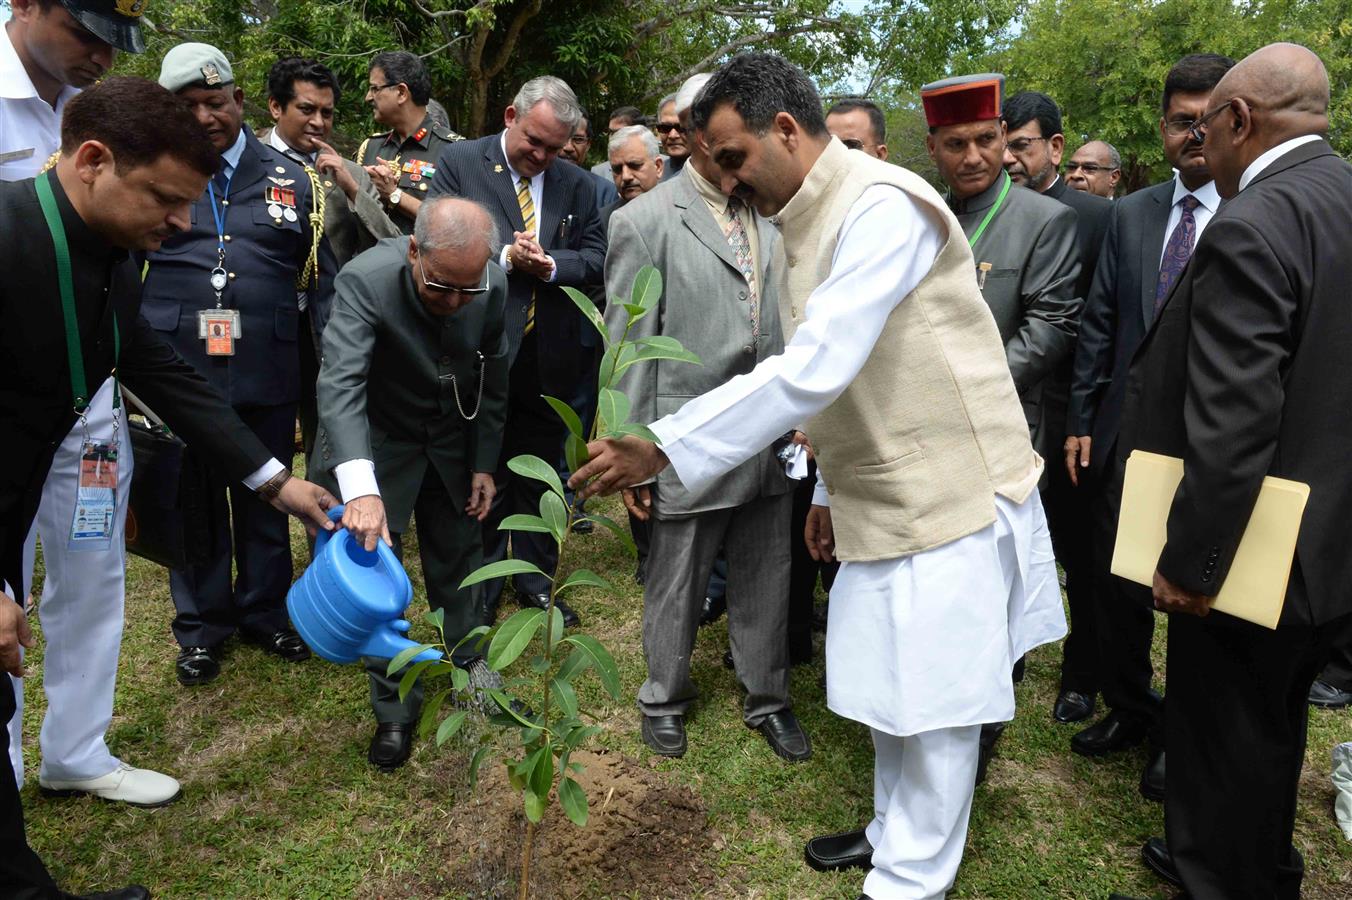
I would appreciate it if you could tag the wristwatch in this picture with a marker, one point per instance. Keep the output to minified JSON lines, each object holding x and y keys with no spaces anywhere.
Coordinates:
{"x":395,"y":196}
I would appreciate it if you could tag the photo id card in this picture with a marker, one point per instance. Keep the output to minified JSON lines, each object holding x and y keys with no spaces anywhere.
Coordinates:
{"x":91,"y":528}
{"x":220,"y":329}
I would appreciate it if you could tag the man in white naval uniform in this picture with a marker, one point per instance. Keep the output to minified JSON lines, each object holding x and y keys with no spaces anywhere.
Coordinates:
{"x":46,"y":56}
{"x":894,"y":368}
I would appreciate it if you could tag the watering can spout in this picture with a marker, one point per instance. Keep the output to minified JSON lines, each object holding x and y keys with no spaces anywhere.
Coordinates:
{"x":388,"y":641}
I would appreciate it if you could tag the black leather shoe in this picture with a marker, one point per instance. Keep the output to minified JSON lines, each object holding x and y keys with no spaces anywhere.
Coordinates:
{"x":640,"y":574}
{"x":785,"y":736}
{"x":584,"y":526}
{"x":1110,"y":734}
{"x":1326,"y":696}
{"x":285,"y":643}
{"x":1152,"y":779}
{"x":990,"y":735}
{"x":845,"y":850}
{"x":664,"y":735}
{"x":391,"y":745}
{"x":728,"y":661}
{"x":486,"y":610}
{"x":541,"y":601}
{"x":1072,"y":706}
{"x":198,"y":665}
{"x":1157,"y":858}
{"x":712,"y":610}
{"x":133,"y":892}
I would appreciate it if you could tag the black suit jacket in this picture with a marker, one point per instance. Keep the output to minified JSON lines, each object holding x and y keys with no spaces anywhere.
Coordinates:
{"x":35,"y":391}
{"x":477,"y":170}
{"x":1245,"y":374}
{"x":1117,"y":313}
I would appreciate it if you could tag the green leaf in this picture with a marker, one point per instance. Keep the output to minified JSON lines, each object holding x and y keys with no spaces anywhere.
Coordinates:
{"x":647,"y":288}
{"x":403,"y":656}
{"x":411,"y":676}
{"x":621,"y":532}
{"x":583,"y":302}
{"x":578,"y":735}
{"x":575,"y":452}
{"x":583,"y":576}
{"x":640,"y":431}
{"x":635,"y":311}
{"x":523,"y":522}
{"x":555,"y":626}
{"x":459,"y":679}
{"x":564,"y":696}
{"x":514,"y":776}
{"x":437,"y":619}
{"x":534,"y":805}
{"x":474,"y":765}
{"x":567,"y":413}
{"x":528,"y":466}
{"x":450,"y":725}
{"x":665,"y":348}
{"x":505,"y":703}
{"x":541,"y":779}
{"x":477,"y":634}
{"x":574,"y":801}
{"x":576,"y":663}
{"x":538,"y":664}
{"x":615,"y":360}
{"x":601,"y":658}
{"x":512,"y":637}
{"x":431,"y":707}
{"x":501,"y":568}
{"x":613,"y":408}
{"x":555,"y":514}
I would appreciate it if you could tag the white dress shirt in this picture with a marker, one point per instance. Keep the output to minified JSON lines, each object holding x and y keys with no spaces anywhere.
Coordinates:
{"x":1258,"y":165}
{"x":276,"y":142}
{"x":1208,"y":201}
{"x":537,"y":194}
{"x":30,"y":129}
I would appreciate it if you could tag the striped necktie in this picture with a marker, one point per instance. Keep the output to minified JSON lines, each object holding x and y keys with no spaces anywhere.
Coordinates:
{"x":528,"y":224}
{"x":740,"y":241}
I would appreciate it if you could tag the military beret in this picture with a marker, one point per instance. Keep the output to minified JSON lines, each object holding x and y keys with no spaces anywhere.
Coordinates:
{"x":194,"y":65}
{"x":967,"y":98}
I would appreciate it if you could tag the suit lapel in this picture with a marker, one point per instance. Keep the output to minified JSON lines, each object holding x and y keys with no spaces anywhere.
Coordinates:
{"x":697,"y":217}
{"x":552,"y":205}
{"x":1152,"y":249}
{"x":499,"y":177}
{"x":250,"y":170}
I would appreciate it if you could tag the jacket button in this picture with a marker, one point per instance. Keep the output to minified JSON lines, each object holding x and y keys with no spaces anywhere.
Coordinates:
{"x":227,"y":238}
{"x":741,"y":295}
{"x":748,"y":349}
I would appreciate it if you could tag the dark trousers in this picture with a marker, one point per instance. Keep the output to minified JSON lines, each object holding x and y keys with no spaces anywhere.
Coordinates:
{"x":308,"y":405}
{"x":450,"y":548}
{"x":1235,"y":729}
{"x":803,"y":572}
{"x":254,"y":536}
{"x":532,"y":428}
{"x":1125,"y":618}
{"x":1071,"y":524}
{"x":1339,"y":670}
{"x":22,"y":874}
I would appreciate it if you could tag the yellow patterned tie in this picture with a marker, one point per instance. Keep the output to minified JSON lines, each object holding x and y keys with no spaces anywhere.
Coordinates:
{"x":528,"y":223}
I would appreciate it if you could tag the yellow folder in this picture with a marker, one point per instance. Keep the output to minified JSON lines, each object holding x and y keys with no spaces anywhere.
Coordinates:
{"x":1255,"y":588}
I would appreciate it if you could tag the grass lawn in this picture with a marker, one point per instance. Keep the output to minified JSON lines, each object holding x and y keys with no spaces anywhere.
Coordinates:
{"x":279,"y":800}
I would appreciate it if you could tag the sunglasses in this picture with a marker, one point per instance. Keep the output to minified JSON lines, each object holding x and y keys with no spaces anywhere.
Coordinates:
{"x":668,"y":127}
{"x":1088,"y":168}
{"x":449,"y":288}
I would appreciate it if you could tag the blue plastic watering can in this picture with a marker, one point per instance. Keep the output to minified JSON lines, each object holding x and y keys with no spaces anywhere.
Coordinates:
{"x":350,"y":602}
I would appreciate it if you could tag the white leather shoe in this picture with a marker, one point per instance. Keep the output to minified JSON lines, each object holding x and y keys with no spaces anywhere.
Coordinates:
{"x":136,"y":787}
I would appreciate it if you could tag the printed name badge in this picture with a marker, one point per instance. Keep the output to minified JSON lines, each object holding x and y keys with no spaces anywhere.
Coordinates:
{"x":95,"y":499}
{"x":220,"y":329}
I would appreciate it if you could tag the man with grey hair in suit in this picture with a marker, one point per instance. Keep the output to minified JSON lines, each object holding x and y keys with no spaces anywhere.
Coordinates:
{"x":675,"y":139}
{"x":412,"y":400}
{"x":719,"y":300}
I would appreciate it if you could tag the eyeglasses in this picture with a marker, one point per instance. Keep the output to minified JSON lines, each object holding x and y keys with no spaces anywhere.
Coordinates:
{"x":1198,"y":130}
{"x":578,"y":140}
{"x":1022,"y":144}
{"x":377,"y":88}
{"x":447,"y":288}
{"x":1179,"y":127}
{"x":668,"y":127}
{"x":1088,"y":168}
{"x":853,"y":144}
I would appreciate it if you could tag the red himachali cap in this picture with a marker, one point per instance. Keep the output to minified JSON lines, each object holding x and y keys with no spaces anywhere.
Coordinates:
{"x":967,"y":98}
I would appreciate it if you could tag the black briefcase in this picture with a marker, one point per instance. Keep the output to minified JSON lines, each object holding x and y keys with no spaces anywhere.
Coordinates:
{"x":167,"y":517}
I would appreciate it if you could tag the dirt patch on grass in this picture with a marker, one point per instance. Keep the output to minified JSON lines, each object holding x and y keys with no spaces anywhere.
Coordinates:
{"x":645,"y":838}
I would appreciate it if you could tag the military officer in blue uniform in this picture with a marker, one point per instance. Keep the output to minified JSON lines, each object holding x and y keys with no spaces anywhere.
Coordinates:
{"x":402,"y":161}
{"x":231,"y":295}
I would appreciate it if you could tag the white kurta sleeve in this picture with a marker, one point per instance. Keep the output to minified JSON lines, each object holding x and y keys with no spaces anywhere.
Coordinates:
{"x":887,"y":244}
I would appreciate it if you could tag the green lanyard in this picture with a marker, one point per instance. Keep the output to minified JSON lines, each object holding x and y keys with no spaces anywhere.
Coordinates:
{"x":79,"y":388}
{"x":999,"y":201}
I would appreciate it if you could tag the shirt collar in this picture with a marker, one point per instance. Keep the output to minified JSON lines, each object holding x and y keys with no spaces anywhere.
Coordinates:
{"x":1207,"y":195}
{"x":1258,"y":165}
{"x":231,"y":156}
{"x":706,"y":188}
{"x":277,"y":143}
{"x":978,"y":202}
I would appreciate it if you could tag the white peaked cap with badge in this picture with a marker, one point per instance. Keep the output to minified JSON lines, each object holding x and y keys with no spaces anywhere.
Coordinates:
{"x":194,"y":65}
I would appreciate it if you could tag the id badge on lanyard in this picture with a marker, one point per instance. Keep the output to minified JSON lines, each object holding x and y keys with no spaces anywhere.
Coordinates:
{"x":91,"y":527}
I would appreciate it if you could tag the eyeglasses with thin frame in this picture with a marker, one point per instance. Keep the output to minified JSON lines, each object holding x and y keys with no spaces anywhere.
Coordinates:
{"x":1022,"y":144}
{"x":853,"y":144}
{"x":1179,"y":127}
{"x":377,"y":88}
{"x":667,"y":127}
{"x":1198,"y":130}
{"x":448,"y":288}
{"x":1088,"y":168}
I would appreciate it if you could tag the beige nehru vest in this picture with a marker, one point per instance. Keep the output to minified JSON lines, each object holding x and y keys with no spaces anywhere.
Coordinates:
{"x":916,"y":448}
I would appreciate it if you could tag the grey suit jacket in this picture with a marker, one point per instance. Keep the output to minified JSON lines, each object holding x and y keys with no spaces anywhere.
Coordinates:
{"x":354,"y":226}
{"x":399,"y":386}
{"x":705,"y":306}
{"x":1031,"y":249}
{"x":1117,"y":314}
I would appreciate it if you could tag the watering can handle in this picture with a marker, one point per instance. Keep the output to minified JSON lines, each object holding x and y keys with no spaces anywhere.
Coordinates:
{"x":336,"y":515}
